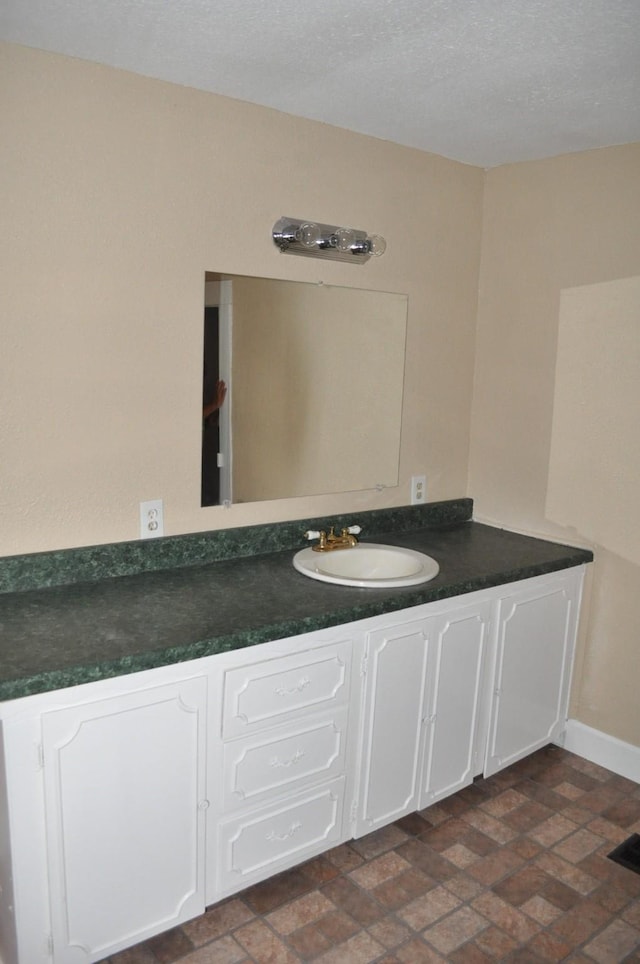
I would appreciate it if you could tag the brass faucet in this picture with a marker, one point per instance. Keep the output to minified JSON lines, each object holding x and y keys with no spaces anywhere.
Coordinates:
{"x":327,"y":541}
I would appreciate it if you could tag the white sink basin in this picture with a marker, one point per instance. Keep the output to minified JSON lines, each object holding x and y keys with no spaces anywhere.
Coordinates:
{"x":368,"y":566}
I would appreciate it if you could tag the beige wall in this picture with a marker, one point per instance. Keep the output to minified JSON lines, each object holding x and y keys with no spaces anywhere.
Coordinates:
{"x":119,"y":193}
{"x":550,"y":228}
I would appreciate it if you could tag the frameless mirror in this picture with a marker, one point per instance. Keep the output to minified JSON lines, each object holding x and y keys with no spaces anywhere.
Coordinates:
{"x":314,"y":377}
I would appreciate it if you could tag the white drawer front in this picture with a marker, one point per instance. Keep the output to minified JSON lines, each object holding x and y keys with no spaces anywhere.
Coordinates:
{"x":257,"y":845}
{"x":269,"y":693}
{"x":260,"y":767}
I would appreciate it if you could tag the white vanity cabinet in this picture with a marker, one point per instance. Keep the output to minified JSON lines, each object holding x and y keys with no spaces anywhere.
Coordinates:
{"x":129,"y":804}
{"x":464,"y":691}
{"x":280,"y":767}
{"x":533,"y":656}
{"x":107,"y":814}
{"x":423,"y":685}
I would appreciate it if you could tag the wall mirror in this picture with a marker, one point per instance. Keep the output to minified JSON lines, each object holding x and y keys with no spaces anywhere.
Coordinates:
{"x":314,"y":376}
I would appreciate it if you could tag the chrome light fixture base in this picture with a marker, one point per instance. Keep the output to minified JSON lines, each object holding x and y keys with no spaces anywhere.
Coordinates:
{"x":314,"y":240}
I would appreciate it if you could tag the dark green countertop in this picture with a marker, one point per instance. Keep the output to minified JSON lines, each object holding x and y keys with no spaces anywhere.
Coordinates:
{"x":56,"y":636}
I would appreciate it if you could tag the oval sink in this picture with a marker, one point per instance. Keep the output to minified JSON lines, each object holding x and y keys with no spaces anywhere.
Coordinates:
{"x":368,"y":566}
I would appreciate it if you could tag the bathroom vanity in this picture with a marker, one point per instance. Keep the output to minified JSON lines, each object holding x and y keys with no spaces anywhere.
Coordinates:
{"x":141,"y":786}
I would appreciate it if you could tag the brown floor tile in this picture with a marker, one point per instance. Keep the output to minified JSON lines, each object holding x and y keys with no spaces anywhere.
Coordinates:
{"x":614,"y":943}
{"x":612,"y":897}
{"x":216,"y":921}
{"x":309,"y":942}
{"x":425,"y":910}
{"x":508,"y":918}
{"x":610,"y":831}
{"x":513,"y":868}
{"x":624,"y":812}
{"x":541,"y":910}
{"x":379,"y":841}
{"x":344,"y":858}
{"x":495,"y":943}
{"x":498,"y":830}
{"x":319,"y":870}
{"x":390,"y":932}
{"x":569,"y":790}
{"x":572,"y":876}
{"x":464,"y":887}
{"x":427,"y":860}
{"x":602,"y":799}
{"x":544,"y":795}
{"x":376,"y":871}
{"x":353,"y":901}
{"x":525,"y":848}
{"x":578,"y":924}
{"x":559,"y":894}
{"x":225,"y":951}
{"x":522,"y":885}
{"x":496,"y":866}
{"x":171,"y":945}
{"x":140,"y":954}
{"x":580,"y":815}
{"x":401,"y":889}
{"x":299,"y":912}
{"x":591,"y":769}
{"x":529,"y":815}
{"x":479,"y":843}
{"x":578,"y":845}
{"x":359,"y":949}
{"x":434,"y":815}
{"x":271,"y":893}
{"x":549,"y":947}
{"x":262,"y":945}
{"x":445,"y":834}
{"x":504,"y":803}
{"x":550,"y":831}
{"x":469,"y":954}
{"x":413,"y":824}
{"x":456,"y":929}
{"x":417,"y":952}
{"x":460,"y":856}
{"x":337,"y":926}
{"x":632,"y":914}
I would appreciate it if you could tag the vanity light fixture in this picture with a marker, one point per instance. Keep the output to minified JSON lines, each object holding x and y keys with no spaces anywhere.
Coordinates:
{"x":314,"y":240}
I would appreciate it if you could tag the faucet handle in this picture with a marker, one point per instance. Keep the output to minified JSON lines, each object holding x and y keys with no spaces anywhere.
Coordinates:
{"x":354,"y":530}
{"x":312,"y":534}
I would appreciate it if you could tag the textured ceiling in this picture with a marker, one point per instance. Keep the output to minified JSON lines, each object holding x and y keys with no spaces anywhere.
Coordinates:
{"x":481,"y":81}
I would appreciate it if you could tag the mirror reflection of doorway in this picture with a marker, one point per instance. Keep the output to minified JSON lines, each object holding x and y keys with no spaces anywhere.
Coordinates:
{"x":217,"y":461}
{"x":210,"y":422}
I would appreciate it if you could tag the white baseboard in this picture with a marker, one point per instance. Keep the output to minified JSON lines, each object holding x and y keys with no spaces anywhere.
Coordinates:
{"x":607,"y":751}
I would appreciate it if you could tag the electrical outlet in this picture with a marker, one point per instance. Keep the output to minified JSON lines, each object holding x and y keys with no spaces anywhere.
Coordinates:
{"x":418,"y":489}
{"x":151,"y":519}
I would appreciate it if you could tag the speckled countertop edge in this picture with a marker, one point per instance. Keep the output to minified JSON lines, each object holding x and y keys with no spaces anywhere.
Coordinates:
{"x":58,"y":637}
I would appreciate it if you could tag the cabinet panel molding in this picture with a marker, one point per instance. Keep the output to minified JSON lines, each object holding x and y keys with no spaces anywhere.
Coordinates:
{"x":259,"y":767}
{"x":257,"y":844}
{"x":270,"y":692}
{"x":124,"y":812}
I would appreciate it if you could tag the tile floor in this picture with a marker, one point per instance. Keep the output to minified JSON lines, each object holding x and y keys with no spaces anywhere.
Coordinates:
{"x":513,"y":868}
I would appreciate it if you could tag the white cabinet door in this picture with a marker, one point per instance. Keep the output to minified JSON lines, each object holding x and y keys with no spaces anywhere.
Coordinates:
{"x":536,"y":637}
{"x":396,"y":661}
{"x":455,"y":674}
{"x":124,"y":778}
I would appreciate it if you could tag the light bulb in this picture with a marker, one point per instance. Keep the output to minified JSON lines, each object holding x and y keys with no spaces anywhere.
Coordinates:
{"x":344,"y":239}
{"x":308,"y":234}
{"x":377,"y":245}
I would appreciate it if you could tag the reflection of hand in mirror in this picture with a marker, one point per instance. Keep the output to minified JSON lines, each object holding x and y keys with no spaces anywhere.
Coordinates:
{"x":219,"y":396}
